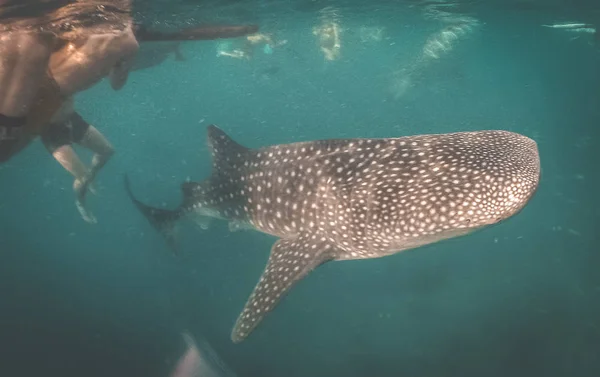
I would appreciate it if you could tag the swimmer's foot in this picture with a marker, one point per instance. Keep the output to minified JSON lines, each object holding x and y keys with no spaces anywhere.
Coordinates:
{"x":92,"y":189}
{"x":85,"y":214}
{"x":81,"y":186}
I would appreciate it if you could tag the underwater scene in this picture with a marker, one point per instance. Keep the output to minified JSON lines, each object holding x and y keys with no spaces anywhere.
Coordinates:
{"x":299,"y":188}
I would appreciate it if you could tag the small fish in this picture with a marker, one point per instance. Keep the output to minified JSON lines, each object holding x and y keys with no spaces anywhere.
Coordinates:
{"x":346,"y":199}
{"x":586,"y":30}
{"x":569,"y":26}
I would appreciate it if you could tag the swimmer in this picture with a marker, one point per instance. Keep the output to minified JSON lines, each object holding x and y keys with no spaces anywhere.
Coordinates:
{"x":266,"y":40}
{"x":40,"y":68}
{"x":40,"y":72}
{"x":67,"y":127}
{"x":369,"y":34}
{"x":328,"y":35}
{"x":237,"y":53}
{"x":71,"y":63}
{"x":248,"y":45}
{"x":437,"y":45}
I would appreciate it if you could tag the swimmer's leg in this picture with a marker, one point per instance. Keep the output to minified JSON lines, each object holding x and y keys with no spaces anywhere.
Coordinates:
{"x":93,"y":140}
{"x":97,"y":143}
{"x":58,"y":139}
{"x":66,"y":156}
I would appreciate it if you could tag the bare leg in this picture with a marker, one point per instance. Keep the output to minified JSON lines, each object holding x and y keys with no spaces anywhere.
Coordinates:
{"x":67,"y":157}
{"x":69,"y":160}
{"x":97,"y":143}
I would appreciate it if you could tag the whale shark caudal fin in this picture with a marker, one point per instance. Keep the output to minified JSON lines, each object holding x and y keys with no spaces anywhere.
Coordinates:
{"x":228,"y":157}
{"x":290,"y":261}
{"x":163,"y":220}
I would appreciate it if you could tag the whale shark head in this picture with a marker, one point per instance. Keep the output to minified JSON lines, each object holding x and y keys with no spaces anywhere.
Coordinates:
{"x":451,"y":184}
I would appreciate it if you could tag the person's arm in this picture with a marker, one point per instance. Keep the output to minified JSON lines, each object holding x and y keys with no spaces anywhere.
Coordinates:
{"x":82,"y":63}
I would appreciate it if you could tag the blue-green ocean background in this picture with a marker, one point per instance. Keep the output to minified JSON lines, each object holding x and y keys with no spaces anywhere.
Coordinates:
{"x":519,"y":299}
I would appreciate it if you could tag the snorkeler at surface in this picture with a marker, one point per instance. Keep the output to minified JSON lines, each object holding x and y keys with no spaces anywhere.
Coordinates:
{"x":68,"y":127}
{"x":41,"y":69}
{"x":328,"y":34}
{"x":42,"y":66}
{"x":246,"y":49}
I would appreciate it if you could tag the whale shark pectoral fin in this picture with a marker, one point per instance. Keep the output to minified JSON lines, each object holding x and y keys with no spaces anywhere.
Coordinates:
{"x":290,"y":261}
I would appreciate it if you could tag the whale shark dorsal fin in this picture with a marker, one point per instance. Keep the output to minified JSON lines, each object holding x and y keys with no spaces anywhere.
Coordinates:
{"x":226,"y":152}
{"x":290,"y":261}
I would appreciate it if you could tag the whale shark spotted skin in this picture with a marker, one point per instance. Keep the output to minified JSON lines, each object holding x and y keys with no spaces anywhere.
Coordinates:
{"x":354,"y":198}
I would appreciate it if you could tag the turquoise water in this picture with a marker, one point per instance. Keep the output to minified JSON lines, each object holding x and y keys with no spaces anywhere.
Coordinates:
{"x":519,"y":299}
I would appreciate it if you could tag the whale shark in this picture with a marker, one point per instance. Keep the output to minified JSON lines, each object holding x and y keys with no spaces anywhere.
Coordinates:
{"x":344,"y":199}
